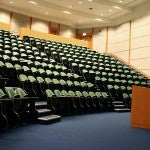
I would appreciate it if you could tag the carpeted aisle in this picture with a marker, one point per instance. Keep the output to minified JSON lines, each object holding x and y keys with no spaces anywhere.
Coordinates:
{"x":103,"y":131}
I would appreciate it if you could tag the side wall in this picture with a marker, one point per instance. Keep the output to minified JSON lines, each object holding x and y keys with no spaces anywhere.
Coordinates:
{"x":140,"y":45}
{"x":129,"y":41}
{"x":118,"y":41}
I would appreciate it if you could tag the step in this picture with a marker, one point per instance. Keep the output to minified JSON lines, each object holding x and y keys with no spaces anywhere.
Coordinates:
{"x":40,"y":104}
{"x":122,"y":110}
{"x":118,"y":102}
{"x":49,"y":119}
{"x":43,"y":112}
{"x":119,"y":106}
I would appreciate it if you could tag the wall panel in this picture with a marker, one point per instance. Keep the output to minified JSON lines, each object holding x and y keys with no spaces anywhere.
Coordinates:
{"x":67,"y":31}
{"x":19,"y":21}
{"x":141,"y":63}
{"x":4,"y":16}
{"x":140,"y":44}
{"x":118,"y":41}
{"x":40,"y":25}
{"x":99,"y":39}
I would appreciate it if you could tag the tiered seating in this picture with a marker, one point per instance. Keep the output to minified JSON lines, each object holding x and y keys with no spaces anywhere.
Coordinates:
{"x":106,"y":73}
{"x":16,"y":107}
{"x":72,"y":79}
{"x":57,"y":75}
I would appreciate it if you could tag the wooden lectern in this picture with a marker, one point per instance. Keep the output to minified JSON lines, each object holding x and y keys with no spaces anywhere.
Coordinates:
{"x":140,"y":107}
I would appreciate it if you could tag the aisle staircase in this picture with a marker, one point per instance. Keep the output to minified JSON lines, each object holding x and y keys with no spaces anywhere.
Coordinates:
{"x":119,"y":106}
{"x":45,"y":116}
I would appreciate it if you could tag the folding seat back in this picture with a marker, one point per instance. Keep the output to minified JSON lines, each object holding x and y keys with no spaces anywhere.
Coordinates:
{"x":71,"y":93}
{"x":49,"y":93}
{"x":64,"y":93}
{"x":48,"y":81}
{"x":11,"y":92}
{"x":57,"y":93}
{"x":98,"y":94}
{"x":21,"y":92}
{"x":2,"y":94}
{"x":92,"y":94}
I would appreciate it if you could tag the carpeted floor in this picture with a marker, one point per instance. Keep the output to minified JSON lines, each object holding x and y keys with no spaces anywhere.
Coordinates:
{"x":103,"y":131}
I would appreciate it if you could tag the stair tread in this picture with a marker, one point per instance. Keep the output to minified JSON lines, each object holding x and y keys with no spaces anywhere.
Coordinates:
{"x":122,"y":109}
{"x":119,"y":106}
{"x":40,"y":103}
{"x":49,"y":117}
{"x":43,"y":110}
{"x":118,"y":102}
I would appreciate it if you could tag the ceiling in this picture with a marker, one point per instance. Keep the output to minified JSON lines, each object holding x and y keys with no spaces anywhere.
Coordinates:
{"x":80,"y":13}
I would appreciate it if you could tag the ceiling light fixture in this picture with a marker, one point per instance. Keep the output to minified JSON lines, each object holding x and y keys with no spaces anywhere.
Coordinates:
{"x":99,"y":19}
{"x":90,"y":0}
{"x":70,"y":6}
{"x":102,"y":14}
{"x":116,"y":7}
{"x":11,"y":2}
{"x":110,"y":10}
{"x":32,"y":2}
{"x":120,"y":1}
{"x":80,"y":2}
{"x":66,"y":12}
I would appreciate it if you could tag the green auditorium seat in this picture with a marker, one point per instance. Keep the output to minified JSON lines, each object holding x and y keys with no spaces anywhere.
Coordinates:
{"x":51,"y":100}
{"x":127,"y":100}
{"x":56,"y":83}
{"x":70,"y":84}
{"x":51,"y":66}
{"x":42,"y":72}
{"x":34,"y":71}
{"x":59,"y":101}
{"x":7,"y":108}
{"x":63,"y":83}
{"x":56,"y":74}
{"x":94,"y":102}
{"x":67,"y":102}
{"x":87,"y":99}
{"x":63,"y":75}
{"x":27,"y":105}
{"x":107,"y":101}
{"x":75,"y":102}
{"x":13,"y":95}
{"x":49,"y":73}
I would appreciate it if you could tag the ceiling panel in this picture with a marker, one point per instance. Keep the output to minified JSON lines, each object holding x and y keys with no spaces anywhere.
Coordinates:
{"x":95,"y":12}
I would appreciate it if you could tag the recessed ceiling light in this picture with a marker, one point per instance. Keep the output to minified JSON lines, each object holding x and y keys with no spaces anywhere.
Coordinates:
{"x":110,"y":10}
{"x":47,"y":13}
{"x":116,"y":7}
{"x":11,"y":2}
{"x":99,"y":19}
{"x":90,"y":0}
{"x":102,"y":14}
{"x":66,"y":12}
{"x":70,"y":6}
{"x":80,"y":2}
{"x":32,"y":2}
{"x":120,"y":1}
